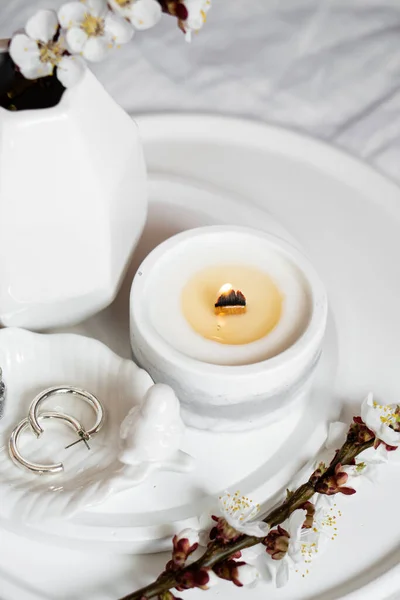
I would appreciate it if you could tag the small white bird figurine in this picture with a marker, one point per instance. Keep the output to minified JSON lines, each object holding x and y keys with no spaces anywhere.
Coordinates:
{"x":153,"y":431}
{"x":150,"y":438}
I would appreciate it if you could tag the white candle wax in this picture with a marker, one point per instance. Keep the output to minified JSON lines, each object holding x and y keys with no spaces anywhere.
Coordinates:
{"x":171,"y":273}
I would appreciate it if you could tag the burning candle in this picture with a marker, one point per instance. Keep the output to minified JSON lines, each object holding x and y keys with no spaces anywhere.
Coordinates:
{"x":233,"y":319}
{"x":230,"y":316}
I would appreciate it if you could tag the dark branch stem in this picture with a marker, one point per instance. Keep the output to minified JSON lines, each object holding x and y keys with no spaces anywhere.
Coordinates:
{"x":218,"y":552}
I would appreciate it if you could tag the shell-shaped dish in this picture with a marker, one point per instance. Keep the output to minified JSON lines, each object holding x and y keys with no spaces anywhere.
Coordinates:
{"x":32,"y":362}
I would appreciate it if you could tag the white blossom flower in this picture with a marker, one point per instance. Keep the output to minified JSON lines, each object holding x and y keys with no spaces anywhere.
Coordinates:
{"x":239,"y":512}
{"x":367,"y":463}
{"x":366,"y":466}
{"x":324,"y":529}
{"x":143,"y":14}
{"x":37,"y":54}
{"x":383,"y":420}
{"x":294,"y":552}
{"x":197,"y":16}
{"x":91,"y":29}
{"x":304,"y":544}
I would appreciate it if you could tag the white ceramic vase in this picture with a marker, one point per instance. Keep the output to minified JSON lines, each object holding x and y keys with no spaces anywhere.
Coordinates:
{"x":72,"y":207}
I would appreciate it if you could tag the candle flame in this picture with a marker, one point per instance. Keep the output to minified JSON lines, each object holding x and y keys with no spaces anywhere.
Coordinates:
{"x":225,"y":289}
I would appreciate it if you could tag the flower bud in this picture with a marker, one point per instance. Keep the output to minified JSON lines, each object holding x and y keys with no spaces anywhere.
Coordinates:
{"x":223,"y":532}
{"x":184,"y":543}
{"x":196,"y":578}
{"x":319,"y":471}
{"x":359,"y":433}
{"x":239,"y":572}
{"x":335,"y":484}
{"x":277,"y":543}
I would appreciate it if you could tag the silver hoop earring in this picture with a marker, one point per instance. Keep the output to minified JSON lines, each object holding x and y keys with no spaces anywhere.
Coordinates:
{"x":38,"y":468}
{"x":63,"y":390}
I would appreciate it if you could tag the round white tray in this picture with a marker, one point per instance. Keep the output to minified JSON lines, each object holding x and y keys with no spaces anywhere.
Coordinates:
{"x":258,"y":463}
{"x":346,"y":217}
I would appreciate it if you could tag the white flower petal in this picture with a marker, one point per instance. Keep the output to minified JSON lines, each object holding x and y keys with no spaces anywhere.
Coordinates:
{"x":369,"y":401}
{"x":72,"y":14}
{"x":189,"y":534}
{"x":336,"y":435}
{"x":42,"y":26}
{"x":39,"y":70}
{"x":355,"y":477}
{"x":76,"y":40}
{"x":96,"y":48}
{"x":205,"y":520}
{"x":372,"y":456}
{"x":282,"y":573}
{"x":295,"y":523}
{"x":24,"y":51}
{"x":373,"y":420}
{"x":324,"y":502}
{"x":256,"y":528}
{"x":194,"y":23}
{"x":296,"y":554}
{"x":205,"y":4}
{"x":369,"y":415}
{"x":197,"y":10}
{"x":389,"y":436}
{"x":118,"y":28}
{"x":251,"y":554}
{"x":205,"y":524}
{"x":257,"y":557}
{"x":98,"y":8}
{"x":247,"y":574}
{"x":70,"y":70}
{"x":124,"y":11}
{"x":144,"y":14}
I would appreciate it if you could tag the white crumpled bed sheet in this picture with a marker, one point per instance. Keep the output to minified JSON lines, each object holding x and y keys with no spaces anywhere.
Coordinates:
{"x":330,"y":68}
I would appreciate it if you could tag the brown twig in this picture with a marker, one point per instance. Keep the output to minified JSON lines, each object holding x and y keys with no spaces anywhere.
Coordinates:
{"x":217,"y":552}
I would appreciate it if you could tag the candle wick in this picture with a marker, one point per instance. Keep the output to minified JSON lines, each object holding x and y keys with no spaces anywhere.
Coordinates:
{"x":230,"y":302}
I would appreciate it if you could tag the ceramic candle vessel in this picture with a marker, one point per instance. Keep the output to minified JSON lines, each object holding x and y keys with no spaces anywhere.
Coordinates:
{"x":228,"y":385}
{"x":72,"y":206}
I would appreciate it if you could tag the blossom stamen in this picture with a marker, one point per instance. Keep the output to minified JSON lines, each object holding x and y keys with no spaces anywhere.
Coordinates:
{"x":50,"y":53}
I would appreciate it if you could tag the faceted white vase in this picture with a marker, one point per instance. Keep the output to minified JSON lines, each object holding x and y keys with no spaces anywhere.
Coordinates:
{"x":72,"y":207}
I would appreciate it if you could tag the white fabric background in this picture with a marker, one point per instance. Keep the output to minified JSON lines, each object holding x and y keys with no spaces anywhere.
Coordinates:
{"x":327,"y":67}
